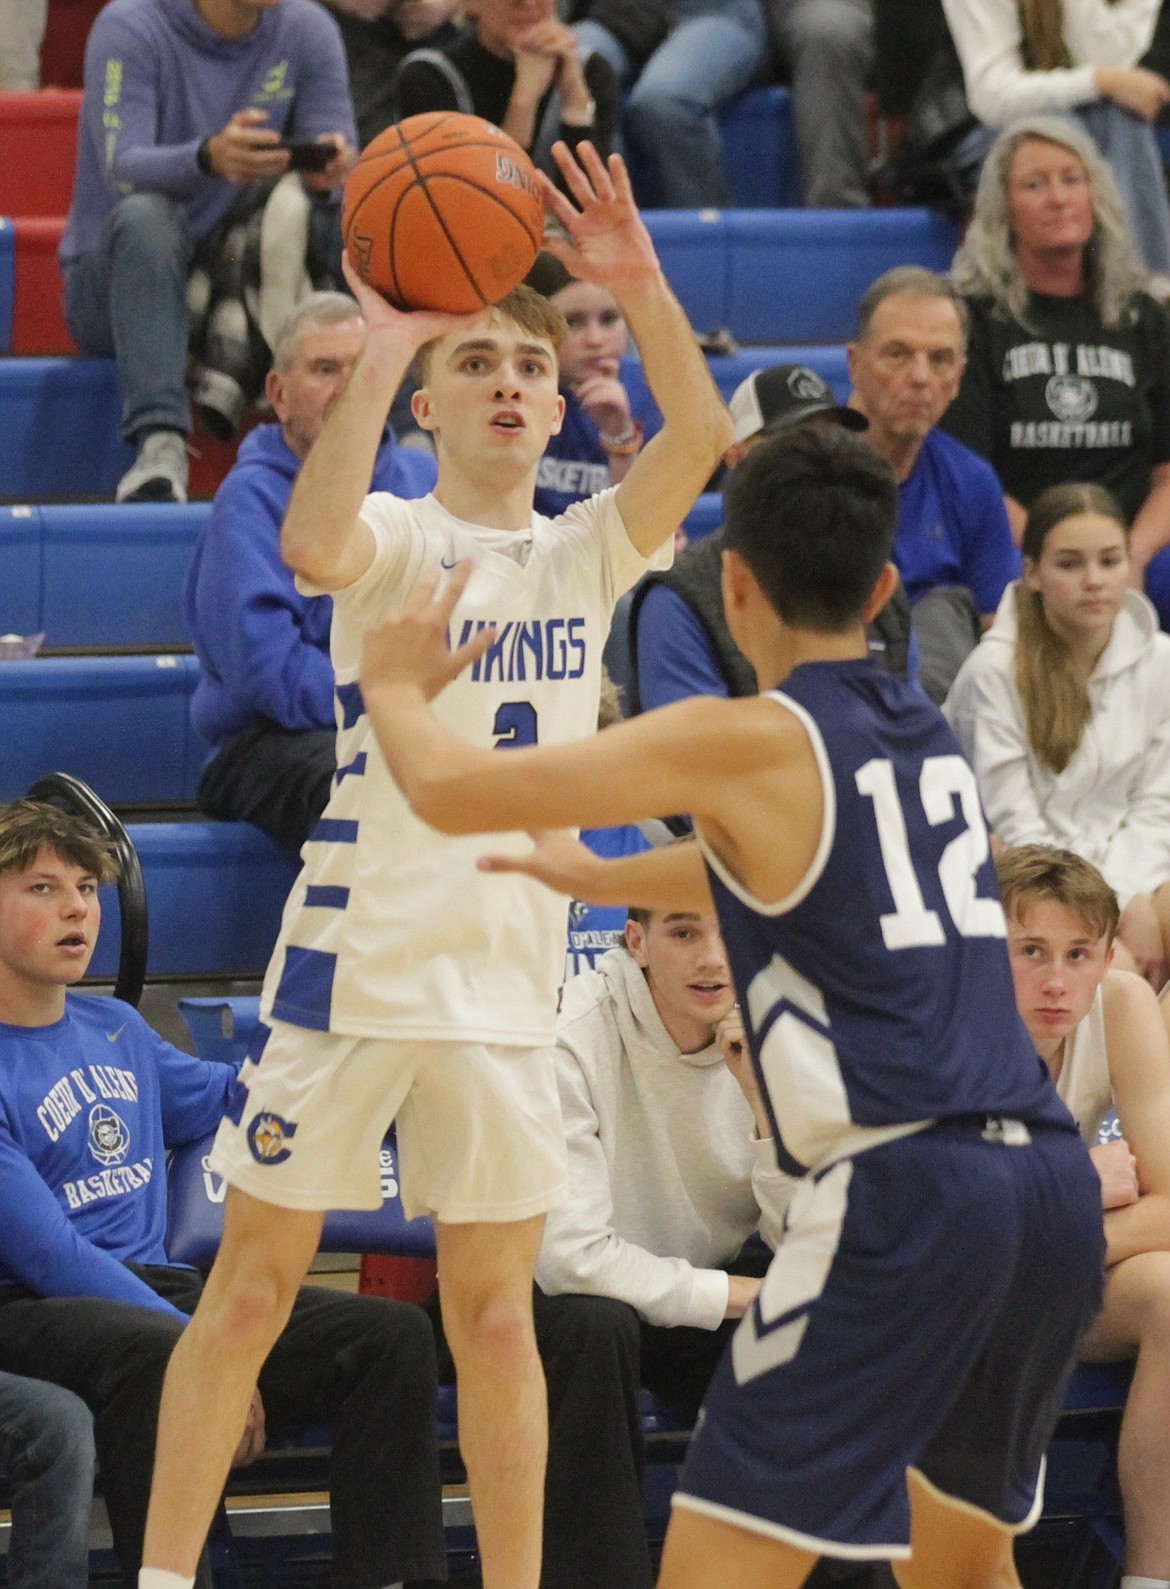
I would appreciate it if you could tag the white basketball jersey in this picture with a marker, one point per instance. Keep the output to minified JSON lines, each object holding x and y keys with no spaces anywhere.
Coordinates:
{"x":390,"y":930}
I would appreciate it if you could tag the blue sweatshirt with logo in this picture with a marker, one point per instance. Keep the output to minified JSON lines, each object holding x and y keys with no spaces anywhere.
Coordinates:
{"x":263,"y":648}
{"x":158,"y":81}
{"x":88,"y":1108}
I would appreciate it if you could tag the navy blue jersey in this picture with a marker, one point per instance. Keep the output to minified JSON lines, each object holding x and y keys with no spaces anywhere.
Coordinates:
{"x":879,"y":994}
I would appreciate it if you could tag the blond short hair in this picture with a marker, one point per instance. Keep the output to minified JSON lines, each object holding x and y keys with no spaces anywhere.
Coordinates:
{"x":1034,"y":873}
{"x":524,"y":308}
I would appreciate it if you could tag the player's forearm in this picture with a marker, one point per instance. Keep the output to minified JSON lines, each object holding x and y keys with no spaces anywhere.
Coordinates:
{"x":1140,"y":1227}
{"x":677,"y":372}
{"x":318,"y":534}
{"x":436,"y":771}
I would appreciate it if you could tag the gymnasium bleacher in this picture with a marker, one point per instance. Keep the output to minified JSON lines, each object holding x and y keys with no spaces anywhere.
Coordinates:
{"x":107,"y":699}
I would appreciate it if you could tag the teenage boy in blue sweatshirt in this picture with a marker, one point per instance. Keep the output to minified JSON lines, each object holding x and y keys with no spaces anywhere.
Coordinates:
{"x":186,"y":102}
{"x":90,"y":1100}
{"x":265,"y":694}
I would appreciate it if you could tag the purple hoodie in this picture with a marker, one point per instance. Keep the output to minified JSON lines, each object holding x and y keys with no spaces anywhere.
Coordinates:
{"x":158,"y":81}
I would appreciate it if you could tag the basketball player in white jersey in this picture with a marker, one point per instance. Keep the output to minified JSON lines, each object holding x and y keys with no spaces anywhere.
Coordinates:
{"x":1099,"y":1031}
{"x":892,"y":1389}
{"x":404,"y":985}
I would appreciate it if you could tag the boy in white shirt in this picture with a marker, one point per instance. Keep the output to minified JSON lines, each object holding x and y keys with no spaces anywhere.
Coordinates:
{"x":671,"y":1169}
{"x":401,"y":987}
{"x":1100,"y":1032}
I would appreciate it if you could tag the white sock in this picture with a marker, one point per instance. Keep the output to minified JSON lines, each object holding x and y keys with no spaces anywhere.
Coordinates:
{"x":157,"y":1578}
{"x":1129,"y":1581}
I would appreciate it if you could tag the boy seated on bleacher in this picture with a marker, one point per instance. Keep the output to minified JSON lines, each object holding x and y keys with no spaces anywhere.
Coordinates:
{"x":1101,"y":1034}
{"x":90,"y":1100}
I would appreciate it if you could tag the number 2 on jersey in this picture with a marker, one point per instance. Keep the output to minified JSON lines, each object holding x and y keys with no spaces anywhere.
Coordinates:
{"x":912,"y":924}
{"x":514,"y":724}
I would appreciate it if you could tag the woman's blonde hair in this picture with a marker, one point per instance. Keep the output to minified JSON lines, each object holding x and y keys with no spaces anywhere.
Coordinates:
{"x":1042,"y":27}
{"x":1055,"y":700}
{"x":986,"y":266}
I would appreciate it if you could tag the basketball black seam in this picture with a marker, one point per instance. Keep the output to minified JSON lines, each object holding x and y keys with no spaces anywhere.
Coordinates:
{"x":422,"y":183}
{"x":470,"y":182}
{"x":480,"y":143}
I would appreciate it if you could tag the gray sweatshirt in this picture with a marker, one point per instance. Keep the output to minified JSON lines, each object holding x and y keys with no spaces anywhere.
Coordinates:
{"x":666,"y":1177}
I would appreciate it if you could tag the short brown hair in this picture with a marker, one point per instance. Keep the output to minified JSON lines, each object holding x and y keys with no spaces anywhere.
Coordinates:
{"x":29,"y":826}
{"x":526,"y":309}
{"x":1037,"y":872}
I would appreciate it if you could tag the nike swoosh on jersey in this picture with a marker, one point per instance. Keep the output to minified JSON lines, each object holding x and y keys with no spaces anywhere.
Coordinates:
{"x":112,"y":1037}
{"x":443,"y":563}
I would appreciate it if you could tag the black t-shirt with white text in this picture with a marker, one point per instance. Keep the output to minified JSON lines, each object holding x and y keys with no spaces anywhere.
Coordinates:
{"x":1067,"y":398}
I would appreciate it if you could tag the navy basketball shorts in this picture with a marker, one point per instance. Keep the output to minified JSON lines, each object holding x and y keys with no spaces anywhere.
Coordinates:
{"x":924,"y":1310}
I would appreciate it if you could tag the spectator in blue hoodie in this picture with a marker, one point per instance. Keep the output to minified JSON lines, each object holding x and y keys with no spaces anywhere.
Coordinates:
{"x":265,"y":693}
{"x":91,"y":1099}
{"x":185,"y":104}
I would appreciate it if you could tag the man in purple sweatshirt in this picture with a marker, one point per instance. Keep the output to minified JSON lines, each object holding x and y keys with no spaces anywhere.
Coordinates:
{"x":186,"y":102}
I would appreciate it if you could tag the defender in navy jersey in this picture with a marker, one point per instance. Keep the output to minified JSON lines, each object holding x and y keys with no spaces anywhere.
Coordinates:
{"x":892,"y":1391}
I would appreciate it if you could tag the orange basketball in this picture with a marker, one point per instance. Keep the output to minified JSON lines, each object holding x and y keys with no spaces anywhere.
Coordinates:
{"x":442,"y":211}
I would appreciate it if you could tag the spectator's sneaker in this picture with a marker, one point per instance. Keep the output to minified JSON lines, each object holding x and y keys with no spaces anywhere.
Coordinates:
{"x":160,"y":470}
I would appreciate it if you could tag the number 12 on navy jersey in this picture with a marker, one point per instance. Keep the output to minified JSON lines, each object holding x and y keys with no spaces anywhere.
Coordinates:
{"x":912,"y":924}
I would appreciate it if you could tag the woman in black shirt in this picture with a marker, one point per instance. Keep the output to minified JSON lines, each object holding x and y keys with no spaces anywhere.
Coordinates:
{"x":1068,"y":362}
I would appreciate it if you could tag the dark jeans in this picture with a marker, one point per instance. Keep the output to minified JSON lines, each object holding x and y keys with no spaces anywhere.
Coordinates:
{"x":364,"y":1365}
{"x":46,"y":1455}
{"x":277,"y":780}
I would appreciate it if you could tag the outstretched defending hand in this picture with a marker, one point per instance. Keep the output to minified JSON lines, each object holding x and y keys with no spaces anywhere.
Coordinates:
{"x":607,"y":242}
{"x":559,"y":861}
{"x":411,"y":646}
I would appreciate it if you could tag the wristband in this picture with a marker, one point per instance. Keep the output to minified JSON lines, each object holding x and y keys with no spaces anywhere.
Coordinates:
{"x":203,"y":158}
{"x":623,"y":446}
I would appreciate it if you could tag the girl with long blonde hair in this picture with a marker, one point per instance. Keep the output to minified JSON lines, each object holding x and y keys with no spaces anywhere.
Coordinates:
{"x":1064,"y":711}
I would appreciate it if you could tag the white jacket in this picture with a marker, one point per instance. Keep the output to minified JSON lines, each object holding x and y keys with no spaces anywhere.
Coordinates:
{"x":1111,"y":804}
{"x":988,"y":38}
{"x":667,"y":1179}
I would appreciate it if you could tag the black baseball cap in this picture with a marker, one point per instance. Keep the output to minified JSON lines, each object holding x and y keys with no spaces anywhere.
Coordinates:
{"x":783,"y":395}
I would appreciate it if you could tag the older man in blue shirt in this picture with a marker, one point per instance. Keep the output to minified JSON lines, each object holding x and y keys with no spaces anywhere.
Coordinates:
{"x":265,"y":694}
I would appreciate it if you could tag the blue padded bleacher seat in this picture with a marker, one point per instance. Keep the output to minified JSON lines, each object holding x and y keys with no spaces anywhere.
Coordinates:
{"x":119,"y":723}
{"x":705,"y":516}
{"x":760,"y":152}
{"x":730,"y":369}
{"x":98,"y":576}
{"x":221,"y":1027}
{"x":7,"y":282}
{"x":195,"y":1213}
{"x":692,"y":246}
{"x":830,"y":364}
{"x":59,"y":433}
{"x":214,"y":891}
{"x":797,"y":275}
{"x":114,"y":575}
{"x":20,"y":558}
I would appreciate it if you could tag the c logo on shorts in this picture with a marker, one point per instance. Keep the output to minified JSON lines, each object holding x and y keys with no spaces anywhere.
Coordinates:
{"x":267,"y":1136}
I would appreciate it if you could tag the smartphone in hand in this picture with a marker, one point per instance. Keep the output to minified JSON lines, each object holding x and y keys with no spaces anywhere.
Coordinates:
{"x":308,"y":156}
